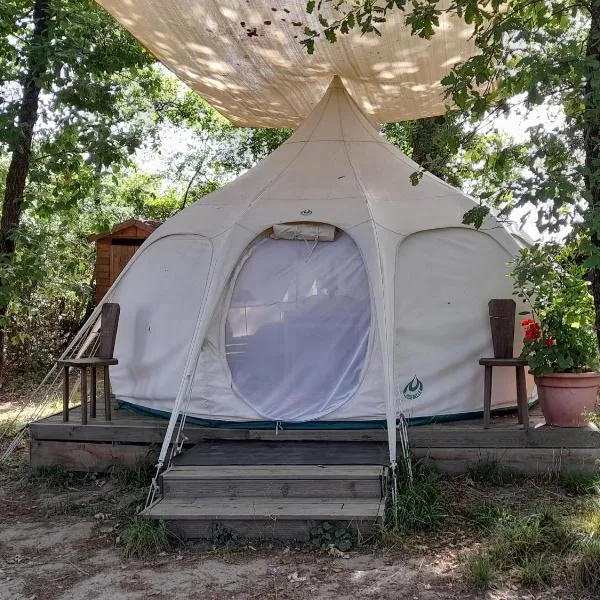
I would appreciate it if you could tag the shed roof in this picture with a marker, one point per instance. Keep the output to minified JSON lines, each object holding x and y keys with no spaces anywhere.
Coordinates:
{"x":145,"y":224}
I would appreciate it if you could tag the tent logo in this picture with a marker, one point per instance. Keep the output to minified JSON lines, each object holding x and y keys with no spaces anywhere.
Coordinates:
{"x":413,"y":389}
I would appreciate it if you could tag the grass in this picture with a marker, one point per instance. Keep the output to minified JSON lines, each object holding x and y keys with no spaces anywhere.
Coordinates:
{"x":139,"y":475}
{"x":536,"y":571}
{"x":480,"y":570}
{"x":520,"y":540}
{"x":58,"y":477}
{"x":530,"y":548}
{"x":490,"y":470}
{"x":488,"y":516}
{"x":581,"y":484}
{"x":144,"y":537}
{"x":587,"y":566}
{"x":421,"y":506}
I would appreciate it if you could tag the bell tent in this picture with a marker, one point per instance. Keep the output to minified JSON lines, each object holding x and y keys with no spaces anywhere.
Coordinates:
{"x":320,"y":289}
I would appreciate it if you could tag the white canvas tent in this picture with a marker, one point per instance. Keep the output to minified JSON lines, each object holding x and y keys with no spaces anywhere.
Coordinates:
{"x":223,"y":323}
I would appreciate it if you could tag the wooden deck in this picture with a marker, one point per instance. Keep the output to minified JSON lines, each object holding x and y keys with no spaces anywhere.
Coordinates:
{"x":133,"y":437}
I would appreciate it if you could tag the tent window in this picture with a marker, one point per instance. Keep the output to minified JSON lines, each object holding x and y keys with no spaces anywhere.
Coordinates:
{"x":298,"y":326}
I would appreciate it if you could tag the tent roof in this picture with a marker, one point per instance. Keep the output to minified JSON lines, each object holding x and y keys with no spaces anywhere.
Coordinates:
{"x":245,"y":58}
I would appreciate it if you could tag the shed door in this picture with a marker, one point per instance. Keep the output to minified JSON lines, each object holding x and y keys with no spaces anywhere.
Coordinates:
{"x":119,"y":256}
{"x":298,"y":326}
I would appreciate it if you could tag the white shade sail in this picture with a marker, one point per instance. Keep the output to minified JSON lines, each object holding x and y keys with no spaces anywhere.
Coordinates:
{"x":245,"y":58}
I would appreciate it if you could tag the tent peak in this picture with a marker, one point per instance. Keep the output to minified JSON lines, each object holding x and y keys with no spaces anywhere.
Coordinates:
{"x":336,"y":117}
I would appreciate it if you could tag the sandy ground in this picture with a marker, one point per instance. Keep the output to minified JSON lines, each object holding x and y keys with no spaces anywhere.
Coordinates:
{"x":62,"y":543}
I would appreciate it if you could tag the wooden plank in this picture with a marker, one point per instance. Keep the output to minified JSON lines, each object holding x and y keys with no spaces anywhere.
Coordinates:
{"x":443,"y":436}
{"x":126,"y":232}
{"x":266,"y":508}
{"x":286,"y":453}
{"x":275,"y":529}
{"x":502,"y":323}
{"x":530,"y":461}
{"x":274,"y":488}
{"x":98,"y":432}
{"x":86,"y":456}
{"x":125,"y":424}
{"x":259,"y":472}
{"x":119,"y":257}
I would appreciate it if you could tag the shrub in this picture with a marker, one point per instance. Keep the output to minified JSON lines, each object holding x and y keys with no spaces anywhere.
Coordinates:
{"x":332,"y":535}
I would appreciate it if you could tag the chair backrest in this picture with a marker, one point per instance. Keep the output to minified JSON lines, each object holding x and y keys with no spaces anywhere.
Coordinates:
{"x":109,"y":321}
{"x":502,"y":322}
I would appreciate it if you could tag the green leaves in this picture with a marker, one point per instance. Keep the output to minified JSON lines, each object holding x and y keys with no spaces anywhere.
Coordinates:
{"x":553,"y":279}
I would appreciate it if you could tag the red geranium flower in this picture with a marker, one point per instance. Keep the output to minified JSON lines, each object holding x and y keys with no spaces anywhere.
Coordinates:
{"x":533,"y":331}
{"x":526,"y":322}
{"x":550,"y":341}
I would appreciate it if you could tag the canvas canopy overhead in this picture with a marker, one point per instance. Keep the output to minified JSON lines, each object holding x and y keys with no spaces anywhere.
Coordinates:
{"x":225,"y":324}
{"x":246,"y":60}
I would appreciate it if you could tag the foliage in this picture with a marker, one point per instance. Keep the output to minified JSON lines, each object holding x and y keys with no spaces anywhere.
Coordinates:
{"x":560,"y":336}
{"x":144,"y":537}
{"x":530,"y":53}
{"x":421,"y":505}
{"x":106,"y":105}
{"x":332,"y":535}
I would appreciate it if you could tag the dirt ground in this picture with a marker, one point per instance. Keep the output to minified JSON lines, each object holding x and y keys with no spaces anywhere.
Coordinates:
{"x":62,"y":542}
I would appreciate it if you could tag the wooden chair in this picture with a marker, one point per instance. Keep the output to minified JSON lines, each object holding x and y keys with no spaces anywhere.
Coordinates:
{"x":109,"y":321}
{"x":502,"y":322}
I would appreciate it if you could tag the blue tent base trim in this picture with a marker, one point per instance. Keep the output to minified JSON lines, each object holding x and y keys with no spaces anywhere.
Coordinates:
{"x":376,"y":424}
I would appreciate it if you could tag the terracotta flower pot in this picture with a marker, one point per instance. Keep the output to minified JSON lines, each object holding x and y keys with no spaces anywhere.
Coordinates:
{"x":566,"y":397}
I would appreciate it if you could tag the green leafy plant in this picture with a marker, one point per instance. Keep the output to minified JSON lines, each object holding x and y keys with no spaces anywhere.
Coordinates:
{"x":332,"y":535}
{"x":560,"y":334}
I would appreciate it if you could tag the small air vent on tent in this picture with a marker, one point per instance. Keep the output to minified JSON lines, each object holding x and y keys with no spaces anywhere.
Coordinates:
{"x":315,"y":232}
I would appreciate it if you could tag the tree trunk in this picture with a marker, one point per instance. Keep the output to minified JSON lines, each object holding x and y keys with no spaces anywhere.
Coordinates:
{"x":592,"y":147}
{"x":16,"y":177}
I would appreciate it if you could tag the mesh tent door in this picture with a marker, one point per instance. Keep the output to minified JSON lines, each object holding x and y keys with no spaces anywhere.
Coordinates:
{"x":298,"y":327}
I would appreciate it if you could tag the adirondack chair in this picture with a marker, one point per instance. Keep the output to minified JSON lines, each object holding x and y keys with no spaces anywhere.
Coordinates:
{"x":502,"y":322}
{"x":109,"y":320}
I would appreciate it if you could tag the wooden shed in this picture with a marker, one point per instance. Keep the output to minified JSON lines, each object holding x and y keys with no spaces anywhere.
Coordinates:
{"x":115,"y":248}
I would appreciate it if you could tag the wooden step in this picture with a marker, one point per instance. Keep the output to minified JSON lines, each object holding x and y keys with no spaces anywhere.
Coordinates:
{"x":265,"y":518}
{"x":259,"y":452}
{"x":274,"y":481}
